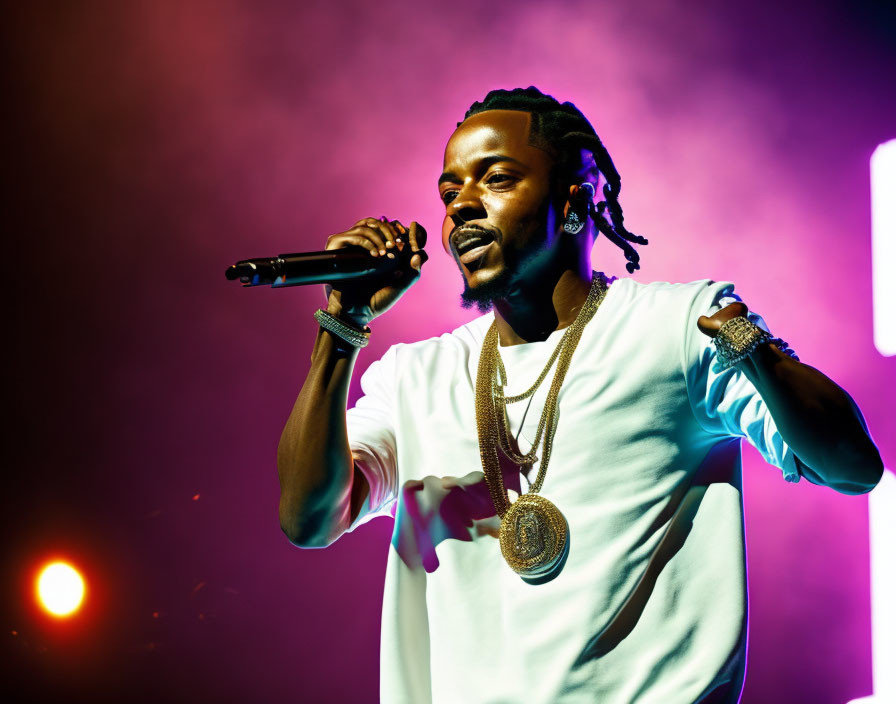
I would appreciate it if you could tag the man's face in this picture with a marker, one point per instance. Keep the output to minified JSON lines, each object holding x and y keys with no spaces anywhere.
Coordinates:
{"x":499,"y":220}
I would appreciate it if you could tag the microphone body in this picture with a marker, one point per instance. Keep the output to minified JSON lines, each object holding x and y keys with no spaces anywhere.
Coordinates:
{"x":306,"y":268}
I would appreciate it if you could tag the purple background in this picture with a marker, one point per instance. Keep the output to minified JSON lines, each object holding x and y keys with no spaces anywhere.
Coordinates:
{"x":151,"y":144}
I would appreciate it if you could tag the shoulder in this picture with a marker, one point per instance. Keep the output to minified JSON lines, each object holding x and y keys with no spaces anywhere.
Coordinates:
{"x":663,"y":296}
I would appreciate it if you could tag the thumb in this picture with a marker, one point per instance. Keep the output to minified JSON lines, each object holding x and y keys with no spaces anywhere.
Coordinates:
{"x":706,"y":326}
{"x":419,"y":259}
{"x":710,"y":325}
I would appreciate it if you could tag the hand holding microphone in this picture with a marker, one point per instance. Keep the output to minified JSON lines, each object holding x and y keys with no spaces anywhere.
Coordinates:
{"x":363,"y":299}
{"x":365,"y":269}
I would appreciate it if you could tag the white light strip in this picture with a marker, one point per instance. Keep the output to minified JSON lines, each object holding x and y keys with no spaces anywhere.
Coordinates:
{"x":882,"y":520}
{"x":882,"y":529}
{"x":883,"y":246}
{"x":882,"y":499}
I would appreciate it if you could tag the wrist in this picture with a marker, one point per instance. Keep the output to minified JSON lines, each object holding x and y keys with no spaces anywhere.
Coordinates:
{"x":740,"y":342}
{"x":347,"y":331}
{"x":737,"y":340}
{"x":353,"y":318}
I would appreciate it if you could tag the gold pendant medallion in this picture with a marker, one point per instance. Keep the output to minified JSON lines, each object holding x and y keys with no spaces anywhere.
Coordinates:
{"x":534,"y":536}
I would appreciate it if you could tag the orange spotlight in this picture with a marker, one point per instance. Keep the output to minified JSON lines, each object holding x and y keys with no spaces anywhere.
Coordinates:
{"x":60,"y":589}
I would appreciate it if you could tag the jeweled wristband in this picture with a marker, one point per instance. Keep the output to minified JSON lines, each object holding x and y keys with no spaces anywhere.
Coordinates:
{"x":736,"y":340}
{"x":343,"y":330}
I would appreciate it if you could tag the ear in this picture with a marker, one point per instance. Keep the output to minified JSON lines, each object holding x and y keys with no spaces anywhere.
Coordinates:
{"x":577,"y":199}
{"x":570,"y":200}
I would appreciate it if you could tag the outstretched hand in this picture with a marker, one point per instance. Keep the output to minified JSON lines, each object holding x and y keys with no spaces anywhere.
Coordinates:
{"x":710,"y":325}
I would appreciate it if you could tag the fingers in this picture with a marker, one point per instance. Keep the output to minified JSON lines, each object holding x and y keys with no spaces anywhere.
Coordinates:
{"x":362,"y":239}
{"x":400,"y":233}
{"x":401,"y":237}
{"x":710,"y":325}
{"x":738,"y":308}
{"x":368,"y":228}
{"x":381,"y":236}
{"x":707,"y":326}
{"x":386,"y":230}
{"x":418,"y":260}
{"x":732,"y":310}
{"x":417,"y":236}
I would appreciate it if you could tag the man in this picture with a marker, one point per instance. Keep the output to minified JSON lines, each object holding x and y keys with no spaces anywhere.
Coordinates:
{"x":565,"y":469}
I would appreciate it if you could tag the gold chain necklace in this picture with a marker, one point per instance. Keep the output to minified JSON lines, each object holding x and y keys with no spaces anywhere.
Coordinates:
{"x":534,"y":534}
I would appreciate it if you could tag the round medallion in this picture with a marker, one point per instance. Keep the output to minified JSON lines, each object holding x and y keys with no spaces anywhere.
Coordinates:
{"x":534,"y":536}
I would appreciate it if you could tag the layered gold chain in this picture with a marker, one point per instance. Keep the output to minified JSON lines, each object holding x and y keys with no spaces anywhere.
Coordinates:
{"x":491,"y":404}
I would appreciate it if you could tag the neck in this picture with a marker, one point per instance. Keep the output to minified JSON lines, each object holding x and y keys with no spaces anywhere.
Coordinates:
{"x":532,"y":314}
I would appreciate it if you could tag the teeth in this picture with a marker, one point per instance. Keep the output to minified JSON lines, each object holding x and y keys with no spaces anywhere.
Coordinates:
{"x":469,"y":244}
{"x":468,"y":240}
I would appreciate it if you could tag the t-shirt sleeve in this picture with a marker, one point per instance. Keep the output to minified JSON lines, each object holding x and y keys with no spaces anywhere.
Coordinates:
{"x":725,"y":403}
{"x":371,"y":437}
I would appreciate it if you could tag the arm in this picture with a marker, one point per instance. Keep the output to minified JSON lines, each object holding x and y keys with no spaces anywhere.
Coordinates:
{"x":321,"y":489}
{"x":816,"y":418}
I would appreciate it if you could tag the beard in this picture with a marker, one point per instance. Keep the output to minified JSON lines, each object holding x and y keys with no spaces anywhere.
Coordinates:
{"x":483,"y":297}
{"x":530,"y":260}
{"x":503,"y":284}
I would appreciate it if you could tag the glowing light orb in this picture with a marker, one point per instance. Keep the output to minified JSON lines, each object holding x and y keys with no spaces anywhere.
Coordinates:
{"x":60,"y":589}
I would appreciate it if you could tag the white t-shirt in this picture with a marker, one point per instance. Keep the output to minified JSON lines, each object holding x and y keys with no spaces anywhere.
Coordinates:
{"x":651,"y":605}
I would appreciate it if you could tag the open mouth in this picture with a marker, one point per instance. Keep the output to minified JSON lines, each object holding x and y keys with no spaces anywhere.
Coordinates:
{"x":471,"y":244}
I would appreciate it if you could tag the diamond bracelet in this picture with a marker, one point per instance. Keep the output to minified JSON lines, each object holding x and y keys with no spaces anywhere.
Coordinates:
{"x":343,"y":330}
{"x":736,"y":340}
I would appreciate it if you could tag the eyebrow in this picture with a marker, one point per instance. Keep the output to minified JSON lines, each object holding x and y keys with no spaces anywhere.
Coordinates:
{"x":483,"y":163}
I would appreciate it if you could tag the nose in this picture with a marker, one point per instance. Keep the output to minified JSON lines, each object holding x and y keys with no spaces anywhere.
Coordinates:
{"x":466,"y":207}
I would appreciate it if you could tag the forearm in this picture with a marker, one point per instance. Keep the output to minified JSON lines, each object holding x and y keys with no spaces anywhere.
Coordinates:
{"x":817,"y":419}
{"x":314,"y":460}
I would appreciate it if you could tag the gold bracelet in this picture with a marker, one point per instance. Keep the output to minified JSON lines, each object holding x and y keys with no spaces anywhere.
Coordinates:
{"x":736,"y":340}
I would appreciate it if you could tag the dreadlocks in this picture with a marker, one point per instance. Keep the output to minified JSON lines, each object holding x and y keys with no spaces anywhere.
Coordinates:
{"x":561,"y":129}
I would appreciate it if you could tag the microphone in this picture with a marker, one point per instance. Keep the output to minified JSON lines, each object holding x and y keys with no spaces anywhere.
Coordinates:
{"x":304,"y":268}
